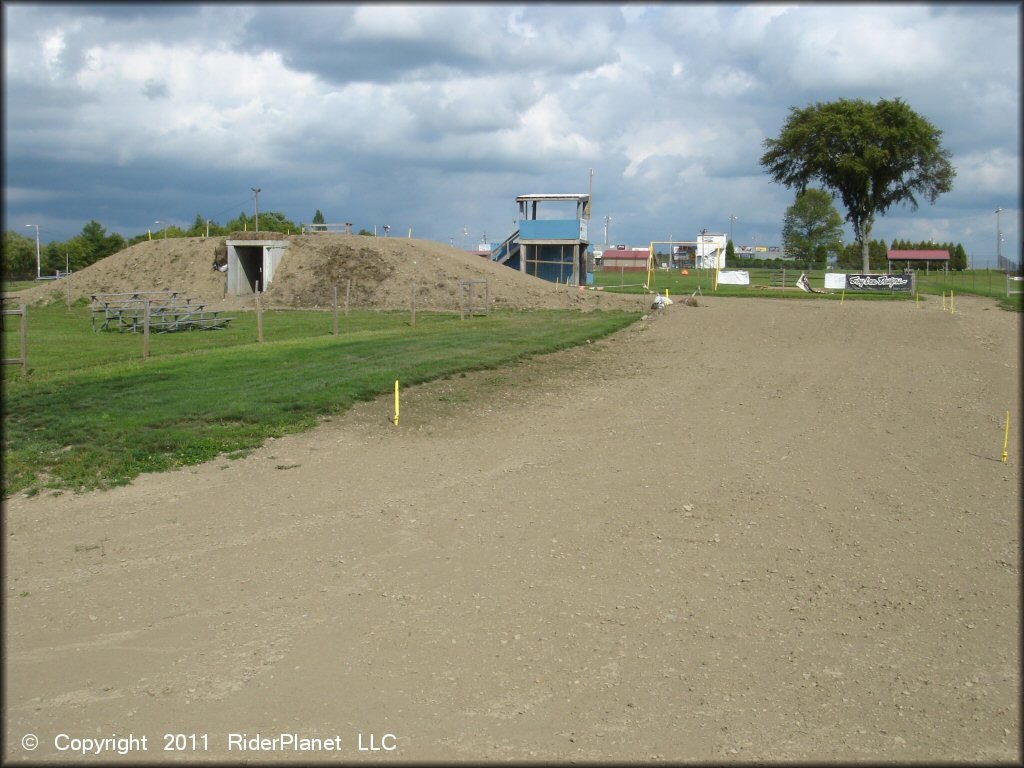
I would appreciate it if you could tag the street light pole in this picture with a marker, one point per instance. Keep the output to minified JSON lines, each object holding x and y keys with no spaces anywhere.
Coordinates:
{"x":257,"y":191}
{"x":999,"y":241}
{"x":39,"y":262}
{"x":732,"y":218}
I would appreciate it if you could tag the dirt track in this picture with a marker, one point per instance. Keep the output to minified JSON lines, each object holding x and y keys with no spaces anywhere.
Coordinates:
{"x":753,"y":530}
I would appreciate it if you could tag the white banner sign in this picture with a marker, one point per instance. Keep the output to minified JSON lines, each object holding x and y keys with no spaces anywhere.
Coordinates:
{"x":835,"y":280}
{"x":736,"y":277}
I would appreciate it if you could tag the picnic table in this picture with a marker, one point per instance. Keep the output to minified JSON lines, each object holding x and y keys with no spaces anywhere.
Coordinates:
{"x":169,"y":311}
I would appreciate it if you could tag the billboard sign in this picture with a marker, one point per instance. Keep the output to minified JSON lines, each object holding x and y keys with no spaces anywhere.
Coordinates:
{"x":879,"y":283}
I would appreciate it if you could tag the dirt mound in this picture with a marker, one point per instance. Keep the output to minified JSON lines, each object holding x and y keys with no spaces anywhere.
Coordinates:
{"x":382,"y":271}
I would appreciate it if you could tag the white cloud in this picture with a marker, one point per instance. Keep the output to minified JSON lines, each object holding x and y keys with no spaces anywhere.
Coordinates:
{"x":688,"y":139}
{"x":53,"y":46}
{"x":987,"y":173}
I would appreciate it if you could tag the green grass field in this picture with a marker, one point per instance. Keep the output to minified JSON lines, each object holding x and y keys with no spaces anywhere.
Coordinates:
{"x":18,"y":285}
{"x":975,"y":282}
{"x":93,"y":414}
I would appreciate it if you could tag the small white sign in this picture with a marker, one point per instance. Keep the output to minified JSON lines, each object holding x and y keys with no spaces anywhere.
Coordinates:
{"x":736,"y":277}
{"x":835,"y":281}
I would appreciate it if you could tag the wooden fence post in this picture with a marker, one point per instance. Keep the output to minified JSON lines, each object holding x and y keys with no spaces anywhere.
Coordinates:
{"x":145,"y":331}
{"x":24,"y":340}
{"x":348,"y":289}
{"x":335,"y":310}
{"x":259,"y":315}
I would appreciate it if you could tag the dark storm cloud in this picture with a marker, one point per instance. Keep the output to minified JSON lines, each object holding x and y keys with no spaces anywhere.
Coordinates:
{"x":128,"y":12}
{"x":154,"y":89}
{"x":343,"y":44}
{"x":318,"y":41}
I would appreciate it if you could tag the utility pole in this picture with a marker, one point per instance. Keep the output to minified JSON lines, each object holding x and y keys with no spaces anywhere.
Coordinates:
{"x":257,"y":191}
{"x":999,"y":241}
{"x":590,"y":195}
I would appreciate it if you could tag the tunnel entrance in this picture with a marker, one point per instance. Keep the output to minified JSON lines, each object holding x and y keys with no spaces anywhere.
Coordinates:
{"x":252,"y":263}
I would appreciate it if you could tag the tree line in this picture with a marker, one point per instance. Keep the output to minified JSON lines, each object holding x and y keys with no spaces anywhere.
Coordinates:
{"x":849,"y":257}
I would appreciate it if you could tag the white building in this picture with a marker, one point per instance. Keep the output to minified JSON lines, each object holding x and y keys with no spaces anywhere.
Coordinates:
{"x":711,"y":251}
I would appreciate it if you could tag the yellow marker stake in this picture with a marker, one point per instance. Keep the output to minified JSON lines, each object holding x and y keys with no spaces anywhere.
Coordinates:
{"x":842,"y":298}
{"x":666,"y":293}
{"x":396,"y":402}
{"x":951,"y":301}
{"x":1006,"y":438}
{"x":943,"y":301}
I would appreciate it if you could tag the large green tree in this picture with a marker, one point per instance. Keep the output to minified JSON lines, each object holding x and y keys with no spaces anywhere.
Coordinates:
{"x":97,"y":244}
{"x":878,"y":256}
{"x":270,"y":221}
{"x":812,"y":229}
{"x":872,"y":156}
{"x":89,"y":246}
{"x":19,"y":255}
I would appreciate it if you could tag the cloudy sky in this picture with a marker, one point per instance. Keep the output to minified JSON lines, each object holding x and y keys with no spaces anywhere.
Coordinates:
{"x":435,"y":117}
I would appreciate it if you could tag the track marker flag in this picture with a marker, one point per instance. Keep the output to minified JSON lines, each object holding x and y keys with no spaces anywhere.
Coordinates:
{"x":1006,"y":438}
{"x":396,"y":402}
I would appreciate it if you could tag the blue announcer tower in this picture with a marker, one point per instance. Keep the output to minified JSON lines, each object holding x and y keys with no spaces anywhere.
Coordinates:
{"x":553,"y":249}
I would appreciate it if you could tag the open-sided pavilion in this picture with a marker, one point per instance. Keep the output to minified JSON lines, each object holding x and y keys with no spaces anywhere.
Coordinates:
{"x":939,"y":258}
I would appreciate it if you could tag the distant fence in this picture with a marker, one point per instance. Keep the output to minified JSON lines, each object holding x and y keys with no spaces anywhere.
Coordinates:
{"x":345,"y":228}
{"x":1014,"y":284}
{"x":23,"y":359}
{"x":468,"y":304}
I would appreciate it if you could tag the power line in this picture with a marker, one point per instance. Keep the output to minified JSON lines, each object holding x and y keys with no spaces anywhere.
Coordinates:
{"x":239,"y":206}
